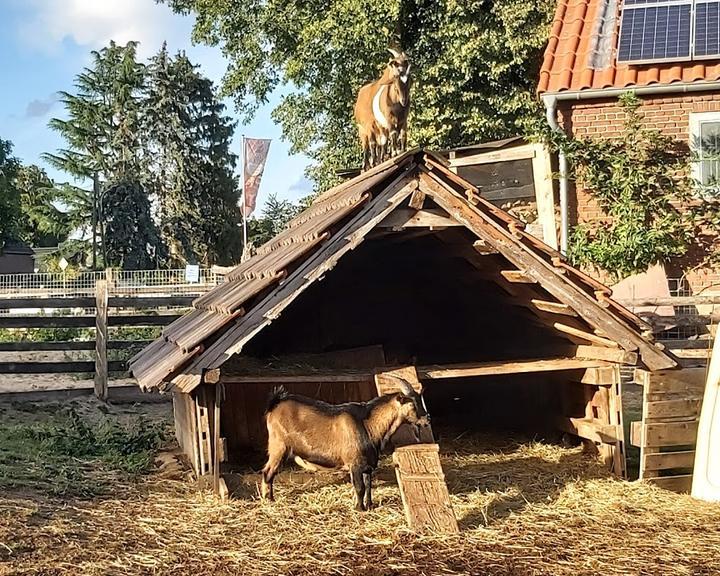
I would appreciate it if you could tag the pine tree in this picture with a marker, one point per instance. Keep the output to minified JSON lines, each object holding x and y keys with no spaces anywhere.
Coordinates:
{"x":189,"y":142}
{"x":9,"y":194}
{"x":103,"y":133}
{"x":42,"y":222}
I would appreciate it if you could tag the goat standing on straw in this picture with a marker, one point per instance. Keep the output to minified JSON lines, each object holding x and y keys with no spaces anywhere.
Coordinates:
{"x":345,"y":436}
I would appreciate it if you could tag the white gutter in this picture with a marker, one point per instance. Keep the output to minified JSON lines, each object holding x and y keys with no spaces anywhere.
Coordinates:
{"x":551,"y":113}
{"x":551,"y":99}
{"x":639,"y":90}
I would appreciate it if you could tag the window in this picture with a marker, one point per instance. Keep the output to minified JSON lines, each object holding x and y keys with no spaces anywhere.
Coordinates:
{"x":669,"y":30}
{"x":705,"y":144}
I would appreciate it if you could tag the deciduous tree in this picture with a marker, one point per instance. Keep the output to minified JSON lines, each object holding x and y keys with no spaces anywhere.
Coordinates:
{"x":475,"y":65}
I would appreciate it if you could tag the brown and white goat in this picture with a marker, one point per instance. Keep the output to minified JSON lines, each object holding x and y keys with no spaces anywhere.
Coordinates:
{"x":381,"y":112}
{"x":342,"y":436}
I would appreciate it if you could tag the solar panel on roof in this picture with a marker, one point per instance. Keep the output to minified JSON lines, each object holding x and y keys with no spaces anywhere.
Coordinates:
{"x":657,"y":30}
{"x":707,"y":29}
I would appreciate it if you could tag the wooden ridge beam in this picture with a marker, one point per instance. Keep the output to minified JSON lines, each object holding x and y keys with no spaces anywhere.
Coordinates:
{"x":409,"y":218}
{"x":589,"y":429}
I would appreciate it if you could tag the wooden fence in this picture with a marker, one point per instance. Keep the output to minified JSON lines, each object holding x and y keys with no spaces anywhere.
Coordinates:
{"x":672,"y":399}
{"x":100,"y":313}
{"x":697,"y":315}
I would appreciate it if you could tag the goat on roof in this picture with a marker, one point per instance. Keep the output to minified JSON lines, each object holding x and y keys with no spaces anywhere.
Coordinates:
{"x":381,"y":112}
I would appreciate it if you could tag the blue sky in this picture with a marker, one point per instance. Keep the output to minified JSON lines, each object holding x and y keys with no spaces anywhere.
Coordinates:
{"x":45,"y":43}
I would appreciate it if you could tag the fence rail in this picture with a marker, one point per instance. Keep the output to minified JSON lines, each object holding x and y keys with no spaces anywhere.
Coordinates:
{"x":120,"y":282}
{"x":95,"y":301}
{"x":689,"y":331}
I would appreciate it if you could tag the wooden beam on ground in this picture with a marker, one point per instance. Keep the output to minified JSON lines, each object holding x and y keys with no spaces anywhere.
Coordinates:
{"x":615,"y":355}
{"x":517,"y":277}
{"x":439,"y":371}
{"x":589,"y":429}
{"x":403,"y":218}
{"x":553,"y":307}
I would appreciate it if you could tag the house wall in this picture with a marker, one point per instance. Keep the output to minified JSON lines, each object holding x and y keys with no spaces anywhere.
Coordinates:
{"x":603,"y":118}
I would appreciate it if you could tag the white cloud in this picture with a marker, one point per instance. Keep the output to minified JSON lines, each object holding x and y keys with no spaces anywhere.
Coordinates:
{"x":46,"y":24}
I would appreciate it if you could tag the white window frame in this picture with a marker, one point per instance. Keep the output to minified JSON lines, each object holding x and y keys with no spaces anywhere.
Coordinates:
{"x":697,"y":119}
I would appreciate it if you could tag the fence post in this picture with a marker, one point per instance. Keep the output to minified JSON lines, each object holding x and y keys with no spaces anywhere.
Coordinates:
{"x":101,"y":329}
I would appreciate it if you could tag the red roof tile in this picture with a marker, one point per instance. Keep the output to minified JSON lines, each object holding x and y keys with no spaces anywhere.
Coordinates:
{"x":574,"y":40}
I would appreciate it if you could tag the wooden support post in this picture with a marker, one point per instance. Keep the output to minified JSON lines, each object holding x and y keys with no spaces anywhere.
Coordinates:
{"x":202,"y":405}
{"x":101,"y":338}
{"x":544,"y":195}
{"x":419,"y":473}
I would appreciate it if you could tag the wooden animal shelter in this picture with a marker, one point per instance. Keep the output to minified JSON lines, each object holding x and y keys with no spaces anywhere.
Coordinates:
{"x":405,"y":265}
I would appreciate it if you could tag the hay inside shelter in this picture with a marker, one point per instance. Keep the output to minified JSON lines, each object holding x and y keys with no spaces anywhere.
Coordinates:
{"x":524,"y":508}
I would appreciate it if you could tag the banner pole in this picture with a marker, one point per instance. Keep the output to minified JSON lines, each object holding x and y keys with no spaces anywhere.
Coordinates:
{"x":244,"y":206}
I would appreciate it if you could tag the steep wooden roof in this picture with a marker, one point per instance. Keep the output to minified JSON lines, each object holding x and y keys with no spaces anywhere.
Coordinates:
{"x":257,"y":291}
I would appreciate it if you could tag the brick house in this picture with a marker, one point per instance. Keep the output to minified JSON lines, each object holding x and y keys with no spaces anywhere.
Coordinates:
{"x":668,"y":53}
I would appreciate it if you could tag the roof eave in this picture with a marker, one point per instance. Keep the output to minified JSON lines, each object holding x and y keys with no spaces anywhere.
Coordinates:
{"x":598,"y":93}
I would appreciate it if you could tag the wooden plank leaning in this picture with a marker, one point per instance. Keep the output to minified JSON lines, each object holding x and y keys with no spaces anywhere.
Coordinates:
{"x":420,"y":477}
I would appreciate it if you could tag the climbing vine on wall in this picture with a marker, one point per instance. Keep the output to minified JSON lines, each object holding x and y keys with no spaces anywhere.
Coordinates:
{"x":639,"y":181}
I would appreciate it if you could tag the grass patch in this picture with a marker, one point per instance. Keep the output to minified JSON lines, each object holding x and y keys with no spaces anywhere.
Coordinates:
{"x":65,"y":454}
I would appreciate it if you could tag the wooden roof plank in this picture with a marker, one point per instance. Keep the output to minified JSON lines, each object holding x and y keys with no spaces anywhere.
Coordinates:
{"x":345,"y":240}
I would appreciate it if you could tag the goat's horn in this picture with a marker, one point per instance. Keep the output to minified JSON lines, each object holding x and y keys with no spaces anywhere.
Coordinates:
{"x":394,"y":52}
{"x":405,"y":386}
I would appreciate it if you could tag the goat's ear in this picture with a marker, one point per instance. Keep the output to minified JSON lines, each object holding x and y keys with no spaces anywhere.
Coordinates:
{"x":394,"y":52}
{"x":400,"y":397}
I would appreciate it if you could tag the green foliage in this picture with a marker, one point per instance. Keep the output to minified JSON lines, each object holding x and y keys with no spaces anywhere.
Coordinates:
{"x":132,"y":241}
{"x":9,"y":194}
{"x":65,"y":454}
{"x":42,"y":222}
{"x":636,"y":180}
{"x":156,"y":137}
{"x":475,"y":66}
{"x":191,"y":165}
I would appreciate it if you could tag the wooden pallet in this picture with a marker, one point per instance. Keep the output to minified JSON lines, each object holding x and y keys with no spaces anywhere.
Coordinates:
{"x":667,"y":433}
{"x":420,"y":477}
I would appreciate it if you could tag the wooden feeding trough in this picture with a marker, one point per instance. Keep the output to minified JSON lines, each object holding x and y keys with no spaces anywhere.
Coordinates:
{"x":404,"y":265}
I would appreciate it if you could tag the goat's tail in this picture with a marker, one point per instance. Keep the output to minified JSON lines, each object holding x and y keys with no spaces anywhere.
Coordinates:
{"x":278,"y":394}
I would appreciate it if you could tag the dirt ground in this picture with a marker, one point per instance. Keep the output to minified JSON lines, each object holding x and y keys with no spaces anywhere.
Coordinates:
{"x":525,"y":508}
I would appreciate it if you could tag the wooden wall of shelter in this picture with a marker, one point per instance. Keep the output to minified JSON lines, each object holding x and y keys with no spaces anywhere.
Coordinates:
{"x":413,"y":260}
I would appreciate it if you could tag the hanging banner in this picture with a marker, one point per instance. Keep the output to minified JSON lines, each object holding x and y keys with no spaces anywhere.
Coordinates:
{"x":256,"y":151}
